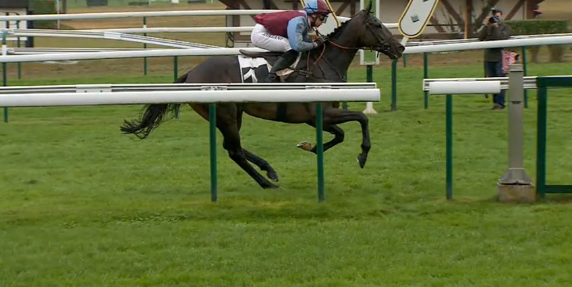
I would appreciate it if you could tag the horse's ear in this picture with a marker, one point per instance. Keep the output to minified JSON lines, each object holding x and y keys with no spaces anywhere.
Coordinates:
{"x":369,"y":7}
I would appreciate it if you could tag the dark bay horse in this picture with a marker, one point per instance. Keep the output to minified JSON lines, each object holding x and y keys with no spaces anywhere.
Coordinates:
{"x":328,"y":63}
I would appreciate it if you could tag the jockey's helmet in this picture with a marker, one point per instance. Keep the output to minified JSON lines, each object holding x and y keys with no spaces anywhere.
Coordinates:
{"x":317,"y":6}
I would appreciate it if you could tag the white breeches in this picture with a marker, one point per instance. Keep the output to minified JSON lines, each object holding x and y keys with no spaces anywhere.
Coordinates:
{"x":261,"y":38}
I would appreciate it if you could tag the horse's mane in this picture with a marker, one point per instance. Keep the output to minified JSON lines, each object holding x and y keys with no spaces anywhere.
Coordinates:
{"x":338,"y":30}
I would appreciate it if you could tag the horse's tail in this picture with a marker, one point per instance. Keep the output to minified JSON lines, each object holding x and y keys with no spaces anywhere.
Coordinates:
{"x":152,"y":116}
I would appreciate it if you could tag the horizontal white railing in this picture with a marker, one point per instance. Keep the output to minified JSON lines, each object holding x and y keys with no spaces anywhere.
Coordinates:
{"x":470,"y":40}
{"x":174,"y":30}
{"x":529,"y":82}
{"x":107,"y":36}
{"x":556,"y":40}
{"x":454,"y":87}
{"x":235,"y":51}
{"x":180,"y":87}
{"x":84,"y":16}
{"x":90,"y":95}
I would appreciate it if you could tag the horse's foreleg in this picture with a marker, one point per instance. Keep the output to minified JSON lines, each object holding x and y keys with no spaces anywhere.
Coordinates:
{"x":336,"y":116}
{"x":342,"y":116}
{"x":333,"y":129}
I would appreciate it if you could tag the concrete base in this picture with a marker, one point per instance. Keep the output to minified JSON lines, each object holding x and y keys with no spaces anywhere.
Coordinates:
{"x":516,"y":193}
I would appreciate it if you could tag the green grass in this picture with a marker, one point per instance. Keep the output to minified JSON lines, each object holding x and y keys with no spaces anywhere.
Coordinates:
{"x":83,"y":205}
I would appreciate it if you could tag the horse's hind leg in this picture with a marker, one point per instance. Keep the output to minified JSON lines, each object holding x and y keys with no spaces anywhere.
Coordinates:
{"x":258,"y":161}
{"x":231,"y":143}
{"x":262,"y":164}
{"x":228,"y":124}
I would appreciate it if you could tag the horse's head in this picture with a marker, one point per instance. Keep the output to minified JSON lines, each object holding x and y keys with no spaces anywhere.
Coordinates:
{"x":373,"y":34}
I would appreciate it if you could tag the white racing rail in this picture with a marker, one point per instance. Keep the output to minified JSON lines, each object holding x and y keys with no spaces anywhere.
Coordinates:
{"x":47,"y":50}
{"x":84,"y":16}
{"x":108,"y":36}
{"x":529,"y":82}
{"x":235,"y":51}
{"x":180,"y":87}
{"x":471,"y":40}
{"x":89,"y":95}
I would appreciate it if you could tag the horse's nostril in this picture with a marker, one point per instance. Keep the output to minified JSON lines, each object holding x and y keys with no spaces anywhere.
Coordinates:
{"x":401,"y":48}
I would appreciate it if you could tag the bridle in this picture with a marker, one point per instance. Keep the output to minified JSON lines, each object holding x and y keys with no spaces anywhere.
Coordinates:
{"x":383,"y":48}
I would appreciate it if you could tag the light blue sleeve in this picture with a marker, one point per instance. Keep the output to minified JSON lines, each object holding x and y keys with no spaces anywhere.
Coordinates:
{"x":296,"y":30}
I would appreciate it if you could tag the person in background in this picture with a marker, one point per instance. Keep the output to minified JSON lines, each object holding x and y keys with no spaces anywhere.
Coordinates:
{"x":495,"y":29}
{"x":536,"y":13}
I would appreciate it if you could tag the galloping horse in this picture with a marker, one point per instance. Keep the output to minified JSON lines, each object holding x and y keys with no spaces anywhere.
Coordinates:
{"x":328,"y":63}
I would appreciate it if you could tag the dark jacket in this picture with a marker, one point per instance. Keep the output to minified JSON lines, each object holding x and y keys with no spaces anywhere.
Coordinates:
{"x":492,"y":33}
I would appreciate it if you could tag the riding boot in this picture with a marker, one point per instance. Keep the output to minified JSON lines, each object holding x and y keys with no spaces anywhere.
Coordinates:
{"x":283,"y":62}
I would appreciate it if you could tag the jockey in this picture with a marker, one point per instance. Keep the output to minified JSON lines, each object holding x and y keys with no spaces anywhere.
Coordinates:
{"x":288,"y":32}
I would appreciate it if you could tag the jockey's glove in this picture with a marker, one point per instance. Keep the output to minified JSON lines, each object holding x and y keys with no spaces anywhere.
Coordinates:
{"x":320,"y":41}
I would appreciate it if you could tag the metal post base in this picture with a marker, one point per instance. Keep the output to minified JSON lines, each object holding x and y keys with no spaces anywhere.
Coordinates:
{"x":369,"y":109}
{"x":516,"y":193}
{"x":515,"y":176}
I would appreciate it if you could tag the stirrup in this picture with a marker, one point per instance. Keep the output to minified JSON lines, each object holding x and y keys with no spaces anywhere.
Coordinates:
{"x":270,"y":78}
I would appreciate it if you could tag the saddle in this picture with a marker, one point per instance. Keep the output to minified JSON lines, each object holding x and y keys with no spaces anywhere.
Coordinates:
{"x":269,"y":56}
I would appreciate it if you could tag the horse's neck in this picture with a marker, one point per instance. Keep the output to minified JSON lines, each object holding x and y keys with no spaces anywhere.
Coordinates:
{"x":341,"y":58}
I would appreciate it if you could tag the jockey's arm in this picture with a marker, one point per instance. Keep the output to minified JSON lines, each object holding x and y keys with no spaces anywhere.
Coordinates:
{"x":297,"y":27}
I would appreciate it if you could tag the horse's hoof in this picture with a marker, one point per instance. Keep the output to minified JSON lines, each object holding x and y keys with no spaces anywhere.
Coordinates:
{"x":305,"y":146}
{"x":361,"y":159}
{"x":271,"y":186}
{"x":272,"y":175}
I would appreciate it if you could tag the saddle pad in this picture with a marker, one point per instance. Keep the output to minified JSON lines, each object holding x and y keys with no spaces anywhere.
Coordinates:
{"x":253,"y":69}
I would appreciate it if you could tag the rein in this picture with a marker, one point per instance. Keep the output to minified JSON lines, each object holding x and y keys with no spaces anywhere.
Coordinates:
{"x":384,"y":47}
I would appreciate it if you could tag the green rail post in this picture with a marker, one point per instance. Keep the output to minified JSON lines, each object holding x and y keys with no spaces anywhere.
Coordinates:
{"x":175,"y":67}
{"x":320,"y":151}
{"x":19,"y":64}
{"x":369,"y":73}
{"x":542,"y":84}
{"x":4,"y":74}
{"x":404,"y":60}
{"x":345,"y":104}
{"x":4,"y":83}
{"x":523,"y":59}
{"x":212,"y":144}
{"x":425,"y":76}
{"x":394,"y":85}
{"x":449,"y":146}
{"x":145,"y":47}
{"x":175,"y":76}
{"x":541,"y":141}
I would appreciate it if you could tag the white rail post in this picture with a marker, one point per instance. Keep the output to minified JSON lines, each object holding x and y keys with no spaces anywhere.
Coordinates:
{"x":515,"y":185}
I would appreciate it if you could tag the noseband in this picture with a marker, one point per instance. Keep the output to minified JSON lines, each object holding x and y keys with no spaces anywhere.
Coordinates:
{"x":383,"y":48}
